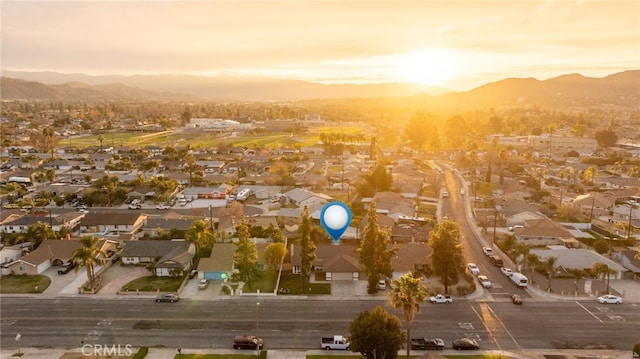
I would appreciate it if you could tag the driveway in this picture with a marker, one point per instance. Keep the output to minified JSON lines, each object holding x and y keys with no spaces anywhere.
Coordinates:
{"x":64,"y":283}
{"x":116,"y":276}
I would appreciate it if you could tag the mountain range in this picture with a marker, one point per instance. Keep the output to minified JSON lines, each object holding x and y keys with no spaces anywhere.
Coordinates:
{"x":620,"y":89}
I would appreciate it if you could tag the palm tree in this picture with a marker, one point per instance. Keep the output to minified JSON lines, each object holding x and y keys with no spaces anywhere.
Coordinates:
{"x":578,"y":274}
{"x":550,"y":266}
{"x":600,"y":269}
{"x":88,"y":256}
{"x":532,"y":262}
{"x":407,"y":294}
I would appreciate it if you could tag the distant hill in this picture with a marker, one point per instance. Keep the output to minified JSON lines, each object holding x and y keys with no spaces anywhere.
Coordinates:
{"x":619,"y":89}
{"x":234,"y":87}
{"x":17,"y":89}
{"x":567,"y":90}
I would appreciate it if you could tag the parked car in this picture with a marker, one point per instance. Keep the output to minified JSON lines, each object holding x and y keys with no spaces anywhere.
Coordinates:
{"x":610,"y":299}
{"x":465,"y":344}
{"x":247,"y":342}
{"x":473,"y":268}
{"x":441,"y":298}
{"x":516,"y":298}
{"x":427,"y":344}
{"x":135,"y":206}
{"x":484,"y":281}
{"x":168,"y":297}
{"x":487,"y":251}
{"x":66,"y":268}
{"x":203,"y":284}
{"x":163,"y":206}
{"x":506,"y":271}
{"x":382,"y":285}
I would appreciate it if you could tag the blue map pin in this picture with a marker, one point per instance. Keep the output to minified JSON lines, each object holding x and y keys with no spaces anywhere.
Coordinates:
{"x":335,"y":217}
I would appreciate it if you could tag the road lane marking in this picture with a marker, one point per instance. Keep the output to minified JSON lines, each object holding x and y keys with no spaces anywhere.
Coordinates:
{"x":588,"y":311}
{"x":504,"y":327}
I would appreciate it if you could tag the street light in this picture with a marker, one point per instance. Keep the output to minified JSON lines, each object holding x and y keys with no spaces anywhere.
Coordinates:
{"x":258,"y":327}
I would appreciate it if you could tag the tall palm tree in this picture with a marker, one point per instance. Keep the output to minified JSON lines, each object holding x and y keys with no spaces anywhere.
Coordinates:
{"x":89,"y":255}
{"x":578,"y":274}
{"x":550,"y":266}
{"x":600,"y":269}
{"x":532,"y":262}
{"x":407,"y":294}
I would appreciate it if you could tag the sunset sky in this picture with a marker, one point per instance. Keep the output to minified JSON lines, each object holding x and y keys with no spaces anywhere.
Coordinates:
{"x":454,"y":44}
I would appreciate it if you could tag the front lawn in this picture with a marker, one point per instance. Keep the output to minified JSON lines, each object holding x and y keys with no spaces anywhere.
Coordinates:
{"x":24,"y":283}
{"x":154,"y":283}
{"x":292,"y":283}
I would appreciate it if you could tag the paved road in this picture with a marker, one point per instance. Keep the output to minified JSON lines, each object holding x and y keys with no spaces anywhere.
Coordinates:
{"x":288,"y":324}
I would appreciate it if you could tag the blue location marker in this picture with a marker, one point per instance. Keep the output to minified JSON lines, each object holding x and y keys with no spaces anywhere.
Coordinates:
{"x":335,"y":217}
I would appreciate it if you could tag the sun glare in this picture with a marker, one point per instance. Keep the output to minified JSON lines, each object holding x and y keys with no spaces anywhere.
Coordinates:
{"x":428,"y":67}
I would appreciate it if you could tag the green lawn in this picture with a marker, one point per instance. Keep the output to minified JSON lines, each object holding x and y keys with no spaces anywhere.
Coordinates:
{"x":24,"y":283}
{"x":153,"y":283}
{"x":292,"y":282}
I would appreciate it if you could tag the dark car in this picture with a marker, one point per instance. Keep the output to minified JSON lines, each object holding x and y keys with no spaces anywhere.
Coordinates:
{"x":247,"y":342}
{"x":465,"y":344}
{"x":66,"y":268}
{"x":516,"y":298}
{"x":427,"y":344}
{"x":169,"y":297}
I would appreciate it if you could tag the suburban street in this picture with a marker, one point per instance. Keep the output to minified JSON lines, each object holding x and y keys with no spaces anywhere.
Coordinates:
{"x":299,"y":323}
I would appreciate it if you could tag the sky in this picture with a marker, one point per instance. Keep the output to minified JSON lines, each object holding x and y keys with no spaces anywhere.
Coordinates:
{"x":454,"y":44}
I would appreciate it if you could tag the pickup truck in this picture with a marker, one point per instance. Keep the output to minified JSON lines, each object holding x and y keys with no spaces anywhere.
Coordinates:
{"x":427,"y":344}
{"x":441,"y":298}
{"x":337,"y":342}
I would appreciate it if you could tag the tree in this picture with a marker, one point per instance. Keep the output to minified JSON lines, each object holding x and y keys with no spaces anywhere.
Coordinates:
{"x":600,"y":270}
{"x":307,"y":248}
{"x":606,"y":138}
{"x":374,"y":255}
{"x":577,"y":274}
{"x":88,"y":256}
{"x":376,"y":334}
{"x":532,"y":261}
{"x":601,"y":246}
{"x":100,"y":139}
{"x":246,"y":256}
{"x":201,"y":235}
{"x":39,"y":232}
{"x":407,"y":295}
{"x":549,"y":265}
{"x":446,"y":256}
{"x":273,"y":255}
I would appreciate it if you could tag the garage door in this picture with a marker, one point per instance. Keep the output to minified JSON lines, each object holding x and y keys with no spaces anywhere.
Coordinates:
{"x":214,"y":275}
{"x":341,"y":276}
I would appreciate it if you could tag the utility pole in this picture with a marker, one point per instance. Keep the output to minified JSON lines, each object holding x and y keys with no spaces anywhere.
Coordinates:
{"x":629,"y":227}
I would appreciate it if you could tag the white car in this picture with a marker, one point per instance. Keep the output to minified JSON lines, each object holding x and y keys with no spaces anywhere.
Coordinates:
{"x":162,"y":206}
{"x":382,"y":285}
{"x":506,"y":271}
{"x":203,"y":284}
{"x":473,"y":268}
{"x":487,"y":251}
{"x":484,"y":281}
{"x":441,"y":298}
{"x":610,"y":299}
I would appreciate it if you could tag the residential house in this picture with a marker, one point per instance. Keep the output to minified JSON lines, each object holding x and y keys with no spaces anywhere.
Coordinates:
{"x":521,"y":218}
{"x":595,"y":204}
{"x":20,"y":224}
{"x":120,"y":222}
{"x":336,"y":262}
{"x":568,"y":258}
{"x":170,"y":258}
{"x":221,"y":261}
{"x":53,"y":252}
{"x":142,"y":193}
{"x":155,"y":225}
{"x":539,"y":232}
{"x":410,"y":257}
{"x":629,"y":259}
{"x":10,"y":254}
{"x":301,"y":197}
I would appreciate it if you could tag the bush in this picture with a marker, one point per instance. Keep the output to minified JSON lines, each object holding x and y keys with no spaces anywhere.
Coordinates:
{"x":636,"y":349}
{"x":142,"y":353}
{"x":601,"y":246}
{"x":262,"y":355}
